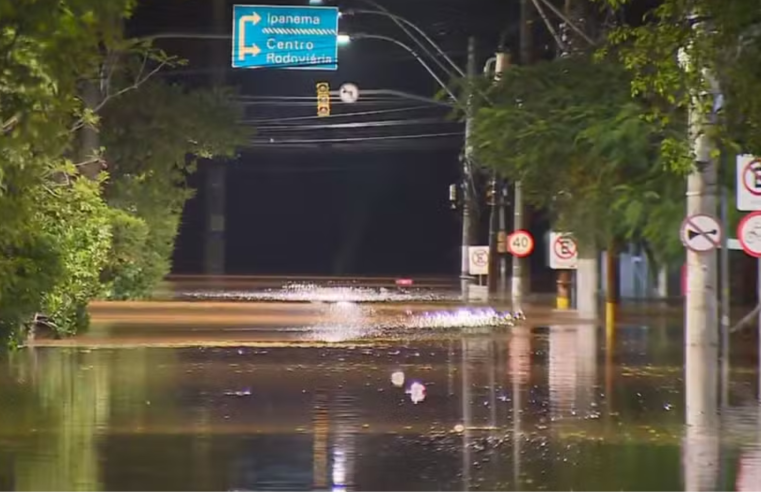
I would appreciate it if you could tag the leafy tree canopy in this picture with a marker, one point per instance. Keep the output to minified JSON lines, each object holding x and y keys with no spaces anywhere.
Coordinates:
{"x":687,"y":48}
{"x":153,"y":138}
{"x":571,"y":132}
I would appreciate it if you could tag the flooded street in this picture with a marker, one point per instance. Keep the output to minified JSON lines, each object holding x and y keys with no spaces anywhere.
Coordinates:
{"x":357,"y":402}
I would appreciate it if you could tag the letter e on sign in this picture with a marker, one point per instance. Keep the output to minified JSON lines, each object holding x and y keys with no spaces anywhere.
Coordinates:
{"x":563,"y":251}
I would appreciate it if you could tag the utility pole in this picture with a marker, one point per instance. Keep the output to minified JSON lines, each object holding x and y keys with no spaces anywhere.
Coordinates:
{"x":700,"y":310}
{"x":517,"y":285}
{"x":497,"y":258}
{"x":214,"y":254}
{"x":467,"y":173}
{"x":701,"y":313}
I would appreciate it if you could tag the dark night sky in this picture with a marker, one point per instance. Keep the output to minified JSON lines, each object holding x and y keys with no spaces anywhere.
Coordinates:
{"x":348,"y":210}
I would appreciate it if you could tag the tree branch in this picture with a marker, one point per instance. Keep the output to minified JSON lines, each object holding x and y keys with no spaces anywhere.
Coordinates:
{"x":9,"y":124}
{"x":140,"y":79}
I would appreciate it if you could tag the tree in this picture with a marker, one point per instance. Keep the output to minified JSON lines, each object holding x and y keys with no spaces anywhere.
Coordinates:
{"x":572,"y":133}
{"x":722,"y":41}
{"x":46,"y":47}
{"x":153,"y":138}
{"x":60,"y":239}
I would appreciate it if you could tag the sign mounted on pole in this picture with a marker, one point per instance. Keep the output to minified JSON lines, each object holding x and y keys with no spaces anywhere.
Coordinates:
{"x":564,"y":252}
{"x":478,"y":258}
{"x":520,"y":243}
{"x":748,"y":183}
{"x":304,"y":38}
{"x":349,"y":93}
{"x":749,"y":234}
{"x":701,"y":233}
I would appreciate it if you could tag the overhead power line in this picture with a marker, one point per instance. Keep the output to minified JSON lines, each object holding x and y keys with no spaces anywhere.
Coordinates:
{"x":275,"y":121}
{"x":357,"y":139}
{"x":358,"y":124}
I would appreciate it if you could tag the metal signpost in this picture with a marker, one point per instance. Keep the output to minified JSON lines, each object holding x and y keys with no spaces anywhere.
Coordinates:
{"x":749,"y":234}
{"x":303,"y":38}
{"x":478,"y":265}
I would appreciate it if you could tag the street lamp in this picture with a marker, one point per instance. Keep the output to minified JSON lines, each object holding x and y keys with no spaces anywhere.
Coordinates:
{"x":344,"y":39}
{"x":404,"y":24}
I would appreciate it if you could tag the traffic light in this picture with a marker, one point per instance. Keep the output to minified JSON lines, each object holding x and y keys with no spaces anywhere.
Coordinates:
{"x":323,"y":99}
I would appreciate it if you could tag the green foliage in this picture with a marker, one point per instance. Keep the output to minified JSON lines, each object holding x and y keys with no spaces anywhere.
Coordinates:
{"x":78,"y":218}
{"x":61,"y":242}
{"x":571,"y":132}
{"x":153,"y":137}
{"x":685,"y":51}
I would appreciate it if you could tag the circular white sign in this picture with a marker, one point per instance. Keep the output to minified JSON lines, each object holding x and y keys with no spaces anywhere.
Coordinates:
{"x":701,"y":233}
{"x":480,"y":257}
{"x":749,"y":234}
{"x":349,"y":93}
{"x":752,"y":177}
{"x":520,"y":243}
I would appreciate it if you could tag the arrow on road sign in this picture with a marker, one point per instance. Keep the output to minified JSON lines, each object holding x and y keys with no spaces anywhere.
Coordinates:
{"x":286,"y":37}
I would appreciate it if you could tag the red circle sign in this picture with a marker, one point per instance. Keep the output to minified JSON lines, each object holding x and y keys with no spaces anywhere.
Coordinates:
{"x":480,"y":258}
{"x":749,"y":234}
{"x":752,"y":177}
{"x":564,"y":247}
{"x":520,"y":243}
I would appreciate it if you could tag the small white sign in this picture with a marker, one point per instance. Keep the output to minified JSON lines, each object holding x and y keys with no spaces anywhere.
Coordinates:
{"x":749,"y":234}
{"x":349,"y":93}
{"x":701,"y":233}
{"x":748,"y":183}
{"x":564,"y":251}
{"x":479,"y":260}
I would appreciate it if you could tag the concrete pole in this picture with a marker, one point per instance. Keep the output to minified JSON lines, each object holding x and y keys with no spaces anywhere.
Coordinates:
{"x":518,"y":286}
{"x":611,"y":286}
{"x":587,"y":283}
{"x":662,"y":283}
{"x":701,"y":314}
{"x":503,"y":231}
{"x":701,"y":447}
{"x":496,"y":219}
{"x":216,"y":195}
{"x":467,"y":173}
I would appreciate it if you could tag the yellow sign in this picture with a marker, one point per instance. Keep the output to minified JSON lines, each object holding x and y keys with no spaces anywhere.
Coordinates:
{"x":323,"y":99}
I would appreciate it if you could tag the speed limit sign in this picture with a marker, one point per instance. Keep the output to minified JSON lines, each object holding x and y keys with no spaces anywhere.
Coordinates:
{"x":520,"y":243}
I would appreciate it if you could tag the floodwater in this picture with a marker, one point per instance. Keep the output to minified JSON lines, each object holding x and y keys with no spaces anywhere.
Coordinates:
{"x":363,"y":404}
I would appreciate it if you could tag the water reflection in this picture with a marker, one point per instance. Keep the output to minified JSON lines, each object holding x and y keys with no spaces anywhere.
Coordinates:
{"x":701,"y":442}
{"x":500,"y":410}
{"x":573,"y":370}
